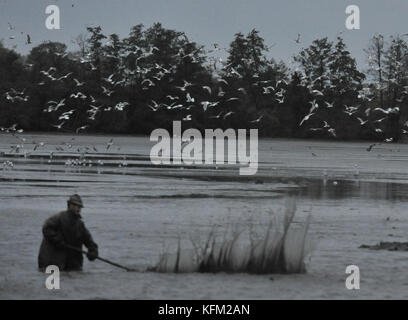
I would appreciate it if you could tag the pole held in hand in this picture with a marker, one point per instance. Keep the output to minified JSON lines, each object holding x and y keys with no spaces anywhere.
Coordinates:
{"x":101,"y":259}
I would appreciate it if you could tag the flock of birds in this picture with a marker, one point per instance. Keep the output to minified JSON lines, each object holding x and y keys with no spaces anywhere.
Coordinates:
{"x":7,"y":165}
{"x":185,"y":98}
{"x":351,"y":111}
{"x":82,"y":162}
{"x":13,"y":37}
{"x":66,"y":147}
{"x":148,"y":77}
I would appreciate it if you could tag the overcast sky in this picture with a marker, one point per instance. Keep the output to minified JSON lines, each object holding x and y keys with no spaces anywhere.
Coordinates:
{"x":209,"y":21}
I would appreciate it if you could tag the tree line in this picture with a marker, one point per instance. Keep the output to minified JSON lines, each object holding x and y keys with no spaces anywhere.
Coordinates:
{"x":156,"y":75}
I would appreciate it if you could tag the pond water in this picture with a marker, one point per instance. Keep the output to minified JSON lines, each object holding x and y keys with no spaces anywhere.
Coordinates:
{"x":135,"y":210}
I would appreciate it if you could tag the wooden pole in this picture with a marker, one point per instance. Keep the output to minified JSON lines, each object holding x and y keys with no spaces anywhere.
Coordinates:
{"x":101,"y":259}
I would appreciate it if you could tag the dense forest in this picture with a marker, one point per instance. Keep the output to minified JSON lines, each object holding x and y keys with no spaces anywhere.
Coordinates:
{"x":156,"y":75}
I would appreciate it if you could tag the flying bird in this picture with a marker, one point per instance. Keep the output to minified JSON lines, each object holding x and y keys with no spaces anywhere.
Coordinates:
{"x":223,"y":81}
{"x":107,"y":92}
{"x":149,"y":82}
{"x":388,"y":111}
{"x":217,"y":116}
{"x":185,"y":86}
{"x":189,"y":99}
{"x":64,"y":77}
{"x":267,"y":90}
{"x":281,"y":81}
{"x":370,"y":147}
{"x":56,"y":106}
{"x":280,"y":100}
{"x":235,"y":72}
{"x":317,"y":92}
{"x":298,"y":38}
{"x":227,"y":115}
{"x":314,"y":106}
{"x":332,"y":132}
{"x":172,"y":97}
{"x":307,"y":117}
{"x":81,"y":128}
{"x":38,"y":145}
{"x":121,"y":105}
{"x":380,"y":120}
{"x":207,"y":88}
{"x":78,"y":95}
{"x":78,"y":84}
{"x":109,"y":79}
{"x":257,"y":120}
{"x":361,"y":121}
{"x":242,"y":90}
{"x":109,"y":144}
{"x":155,"y":106}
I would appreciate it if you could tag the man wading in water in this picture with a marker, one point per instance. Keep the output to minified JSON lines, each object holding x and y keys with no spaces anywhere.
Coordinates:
{"x":63,"y":230}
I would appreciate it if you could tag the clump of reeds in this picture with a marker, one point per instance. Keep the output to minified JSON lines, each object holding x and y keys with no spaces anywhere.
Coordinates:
{"x":281,"y":249}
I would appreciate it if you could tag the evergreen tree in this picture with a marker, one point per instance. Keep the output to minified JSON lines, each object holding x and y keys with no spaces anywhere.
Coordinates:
{"x":375,"y":55}
{"x":396,"y":79}
{"x":96,"y":49}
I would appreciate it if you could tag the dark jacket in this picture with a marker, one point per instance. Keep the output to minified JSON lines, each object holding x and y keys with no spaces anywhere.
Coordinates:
{"x":65,"y":228}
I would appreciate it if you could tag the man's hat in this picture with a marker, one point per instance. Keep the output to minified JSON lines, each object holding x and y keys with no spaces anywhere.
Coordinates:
{"x":76,"y":199}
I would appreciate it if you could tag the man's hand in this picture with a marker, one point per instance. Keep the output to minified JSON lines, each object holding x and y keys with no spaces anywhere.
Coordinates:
{"x":92,"y":255}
